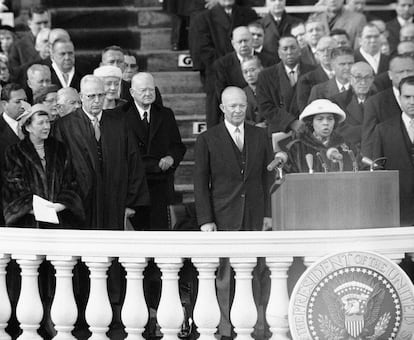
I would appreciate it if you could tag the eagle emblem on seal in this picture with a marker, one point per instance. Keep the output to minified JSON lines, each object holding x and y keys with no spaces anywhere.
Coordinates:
{"x":352,"y":308}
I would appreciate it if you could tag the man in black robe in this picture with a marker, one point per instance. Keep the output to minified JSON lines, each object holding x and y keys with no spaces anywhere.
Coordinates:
{"x":108,"y":167}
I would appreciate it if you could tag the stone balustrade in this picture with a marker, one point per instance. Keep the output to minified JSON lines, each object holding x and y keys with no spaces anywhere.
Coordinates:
{"x":97,"y":249}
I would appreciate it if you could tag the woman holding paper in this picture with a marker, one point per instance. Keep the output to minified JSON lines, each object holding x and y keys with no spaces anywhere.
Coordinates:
{"x":38,"y":169}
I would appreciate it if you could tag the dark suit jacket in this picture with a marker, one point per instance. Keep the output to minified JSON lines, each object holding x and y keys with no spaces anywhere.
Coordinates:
{"x":229,"y":73}
{"x":75,"y":83}
{"x":22,"y":52}
{"x":391,"y":140}
{"x":307,"y":56}
{"x":393,"y":28}
{"x":382,"y":82}
{"x":274,"y":89}
{"x":305,"y":84}
{"x":164,"y":140}
{"x":325,"y":90}
{"x":383,"y":62}
{"x":351,"y":128}
{"x":112,"y":183}
{"x":377,"y":109}
{"x":224,"y":194}
{"x":252,"y":111}
{"x":274,"y":31}
{"x":276,"y":97}
{"x":212,"y":38}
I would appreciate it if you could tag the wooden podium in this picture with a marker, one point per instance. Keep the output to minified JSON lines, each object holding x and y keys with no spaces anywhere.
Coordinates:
{"x":337,"y":200}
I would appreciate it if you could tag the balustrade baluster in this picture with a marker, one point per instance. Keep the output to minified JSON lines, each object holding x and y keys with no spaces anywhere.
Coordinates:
{"x":98,"y":312}
{"x":134,"y":311}
{"x":206,"y":310}
{"x":29,"y":310}
{"x":243,"y":313}
{"x":277,"y":308}
{"x":170,"y":315}
{"x":64,"y":311}
{"x":5,"y":309}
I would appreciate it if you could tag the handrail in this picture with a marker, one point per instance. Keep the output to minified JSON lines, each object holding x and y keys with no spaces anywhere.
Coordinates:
{"x":310,"y":9}
{"x":198,"y":244}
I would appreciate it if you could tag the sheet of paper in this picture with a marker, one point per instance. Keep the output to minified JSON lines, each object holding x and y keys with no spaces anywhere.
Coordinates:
{"x":43,"y":212}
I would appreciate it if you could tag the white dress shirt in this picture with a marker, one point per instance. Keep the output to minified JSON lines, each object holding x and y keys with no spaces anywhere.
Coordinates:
{"x":59,"y":74}
{"x":373,"y":60}
{"x":232,"y":130}
{"x":409,"y":125}
{"x":14,"y":124}
{"x":141,"y":112}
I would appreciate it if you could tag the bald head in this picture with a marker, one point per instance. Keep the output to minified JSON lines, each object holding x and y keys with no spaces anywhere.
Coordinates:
{"x":234,"y":104}
{"x":68,"y":100}
{"x":407,"y":32}
{"x":405,"y":47}
{"x":242,"y":41}
{"x":143,"y":89}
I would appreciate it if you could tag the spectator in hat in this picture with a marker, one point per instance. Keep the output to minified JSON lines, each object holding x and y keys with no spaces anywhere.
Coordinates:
{"x":47,"y":96}
{"x":111,"y":77}
{"x":321,"y":118}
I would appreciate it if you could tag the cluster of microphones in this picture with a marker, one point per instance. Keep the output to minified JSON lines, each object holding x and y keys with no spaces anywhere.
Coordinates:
{"x":332,"y":154}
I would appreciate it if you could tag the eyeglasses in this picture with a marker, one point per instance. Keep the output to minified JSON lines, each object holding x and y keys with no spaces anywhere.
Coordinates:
{"x":360,"y":79}
{"x":95,"y":95}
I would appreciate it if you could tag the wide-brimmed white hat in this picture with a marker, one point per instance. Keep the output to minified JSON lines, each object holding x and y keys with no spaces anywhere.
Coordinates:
{"x":108,"y":71}
{"x":323,"y":106}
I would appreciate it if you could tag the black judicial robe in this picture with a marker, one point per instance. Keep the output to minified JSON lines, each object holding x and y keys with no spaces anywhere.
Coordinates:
{"x":111,"y":179}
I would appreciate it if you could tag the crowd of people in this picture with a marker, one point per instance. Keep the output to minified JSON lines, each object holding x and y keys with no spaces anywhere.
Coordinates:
{"x":101,"y":147}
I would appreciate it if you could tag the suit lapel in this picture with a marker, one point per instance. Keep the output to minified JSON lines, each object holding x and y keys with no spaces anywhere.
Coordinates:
{"x":7,"y":132}
{"x":136,"y":124}
{"x":155,"y":123}
{"x":226,"y":144}
{"x":354,"y":111}
{"x":86,"y":132}
{"x":250,"y":143}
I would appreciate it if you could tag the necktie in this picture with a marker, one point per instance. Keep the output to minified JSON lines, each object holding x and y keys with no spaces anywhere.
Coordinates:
{"x":95,"y":124}
{"x":292,"y":78}
{"x":65,"y":77}
{"x":20,"y":133}
{"x":411,"y":130}
{"x":238,"y":139}
{"x":343,"y":89}
{"x":145,"y":120}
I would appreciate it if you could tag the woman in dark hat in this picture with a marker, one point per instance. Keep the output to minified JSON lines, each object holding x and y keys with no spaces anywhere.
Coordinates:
{"x":328,"y":150}
{"x":39,"y":165}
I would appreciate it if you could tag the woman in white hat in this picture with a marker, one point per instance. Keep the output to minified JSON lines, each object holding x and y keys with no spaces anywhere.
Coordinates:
{"x":39,"y":165}
{"x":111,"y":77}
{"x":330,"y":152}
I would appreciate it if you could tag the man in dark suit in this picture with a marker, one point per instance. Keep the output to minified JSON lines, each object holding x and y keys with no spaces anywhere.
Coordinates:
{"x":323,"y":72}
{"x":342,"y":58}
{"x":213,"y":40}
{"x":231,"y":195}
{"x":276,"y":23}
{"x":385,"y":104}
{"x":276,"y":86}
{"x":394,"y":139}
{"x":352,"y":102}
{"x":370,"y":50}
{"x":12,"y":100}
{"x":228,"y":69}
{"x":159,"y":142}
{"x":315,"y":30}
{"x":107,"y":163}
{"x":23,"y":50}
{"x":63,"y":71}
{"x":405,"y":11}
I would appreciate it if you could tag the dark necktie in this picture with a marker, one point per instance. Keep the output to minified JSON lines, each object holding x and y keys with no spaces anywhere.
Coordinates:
{"x":292,"y":78}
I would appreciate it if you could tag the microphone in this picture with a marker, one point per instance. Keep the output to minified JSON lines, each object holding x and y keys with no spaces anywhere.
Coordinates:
{"x":309,"y":162}
{"x":280,"y":159}
{"x":351,"y":155}
{"x":323,"y":163}
{"x":373,"y":163}
{"x":334,"y":155}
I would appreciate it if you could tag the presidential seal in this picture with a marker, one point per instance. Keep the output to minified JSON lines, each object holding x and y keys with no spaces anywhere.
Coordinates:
{"x":353,"y":296}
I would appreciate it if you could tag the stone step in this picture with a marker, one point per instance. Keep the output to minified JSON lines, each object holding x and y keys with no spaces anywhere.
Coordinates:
{"x":189,"y":143}
{"x":178,"y":82}
{"x":98,"y":3}
{"x":110,"y":17}
{"x":186,"y":103}
{"x":186,"y":191}
{"x":127,"y":38}
{"x":148,"y":60}
{"x":185,"y":124}
{"x":184,"y":173}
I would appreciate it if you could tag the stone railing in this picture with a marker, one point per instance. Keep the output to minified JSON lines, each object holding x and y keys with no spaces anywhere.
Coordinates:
{"x":63,"y":248}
